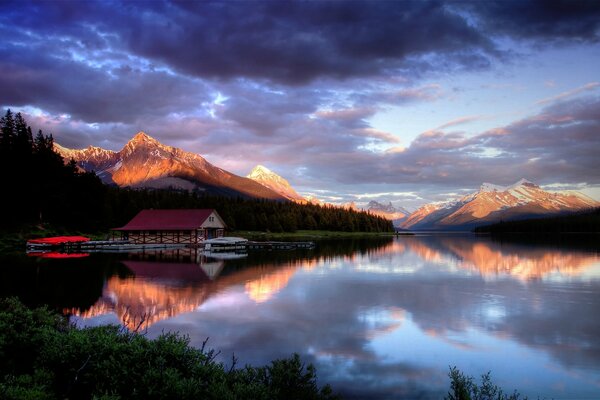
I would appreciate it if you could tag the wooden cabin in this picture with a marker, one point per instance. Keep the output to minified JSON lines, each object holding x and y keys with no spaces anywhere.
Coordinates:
{"x":172,"y":226}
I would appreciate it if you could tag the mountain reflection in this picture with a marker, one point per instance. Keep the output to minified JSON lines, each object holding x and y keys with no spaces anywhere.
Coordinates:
{"x":490,"y":258}
{"x":160,"y":289}
{"x":384,"y":321}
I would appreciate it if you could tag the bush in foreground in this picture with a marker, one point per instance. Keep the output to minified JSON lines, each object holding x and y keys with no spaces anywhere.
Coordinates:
{"x":42,"y":356}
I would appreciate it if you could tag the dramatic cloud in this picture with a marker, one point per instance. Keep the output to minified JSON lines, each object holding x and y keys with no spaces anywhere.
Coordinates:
{"x":541,"y":20}
{"x":332,"y":95}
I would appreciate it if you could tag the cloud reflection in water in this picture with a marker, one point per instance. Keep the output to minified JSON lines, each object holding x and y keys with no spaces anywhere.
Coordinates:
{"x":388,"y":321}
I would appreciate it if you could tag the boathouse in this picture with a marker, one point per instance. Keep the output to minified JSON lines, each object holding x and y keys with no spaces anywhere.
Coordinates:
{"x":172,"y":226}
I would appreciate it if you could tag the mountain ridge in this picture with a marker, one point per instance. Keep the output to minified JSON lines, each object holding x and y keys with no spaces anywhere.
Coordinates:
{"x":494,"y":203}
{"x":275,"y":182}
{"x":144,"y":162}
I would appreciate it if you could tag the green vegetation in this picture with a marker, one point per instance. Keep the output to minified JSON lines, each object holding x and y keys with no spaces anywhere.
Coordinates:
{"x":583,"y":222}
{"x":463,"y":387}
{"x":46,"y":191}
{"x":42,"y":356}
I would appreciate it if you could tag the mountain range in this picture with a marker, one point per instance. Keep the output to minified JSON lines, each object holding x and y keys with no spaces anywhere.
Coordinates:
{"x":145,"y":162}
{"x":396,"y":214}
{"x":493,"y":203}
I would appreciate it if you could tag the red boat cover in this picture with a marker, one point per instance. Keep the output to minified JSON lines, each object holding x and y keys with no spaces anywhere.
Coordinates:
{"x":55,"y":254}
{"x":59,"y":240}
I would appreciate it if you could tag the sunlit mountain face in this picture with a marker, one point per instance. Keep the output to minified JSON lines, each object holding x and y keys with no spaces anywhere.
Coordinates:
{"x":145,"y":162}
{"x":493,"y":203}
{"x":278,"y":184}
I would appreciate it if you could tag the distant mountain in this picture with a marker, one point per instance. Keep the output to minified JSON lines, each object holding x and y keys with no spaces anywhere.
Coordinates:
{"x":395,"y":214}
{"x":276,"y":183}
{"x":144,"y":162}
{"x":493,"y":203}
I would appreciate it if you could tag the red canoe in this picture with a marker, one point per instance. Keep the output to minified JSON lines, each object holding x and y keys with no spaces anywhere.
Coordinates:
{"x":55,"y":254}
{"x":56,"y":240}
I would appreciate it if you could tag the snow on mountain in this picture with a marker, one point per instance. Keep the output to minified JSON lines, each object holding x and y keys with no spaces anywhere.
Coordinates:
{"x":493,"y":203}
{"x":278,"y":184}
{"x":144,"y":162}
{"x":388,"y":211}
{"x":90,"y":158}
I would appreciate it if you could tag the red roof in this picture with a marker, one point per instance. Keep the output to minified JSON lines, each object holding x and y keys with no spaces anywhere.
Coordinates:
{"x":167,"y":220}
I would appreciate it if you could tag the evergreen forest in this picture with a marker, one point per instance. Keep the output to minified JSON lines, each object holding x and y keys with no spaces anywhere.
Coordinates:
{"x":579,"y":222}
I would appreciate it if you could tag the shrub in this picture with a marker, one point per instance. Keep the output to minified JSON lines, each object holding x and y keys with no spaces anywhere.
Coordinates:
{"x":463,"y":387}
{"x":43,"y":357}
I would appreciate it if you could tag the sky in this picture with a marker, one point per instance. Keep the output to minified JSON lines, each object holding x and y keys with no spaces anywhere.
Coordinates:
{"x":401,"y":101}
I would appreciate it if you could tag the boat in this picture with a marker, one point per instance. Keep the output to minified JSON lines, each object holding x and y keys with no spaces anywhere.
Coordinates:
{"x":56,"y":254}
{"x":54,"y":242}
{"x":225,"y":243}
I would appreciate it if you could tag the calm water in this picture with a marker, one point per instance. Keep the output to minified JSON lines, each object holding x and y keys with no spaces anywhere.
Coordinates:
{"x":379,"y":318}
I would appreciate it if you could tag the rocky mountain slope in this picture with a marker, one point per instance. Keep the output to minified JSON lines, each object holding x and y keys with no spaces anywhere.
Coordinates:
{"x":493,"y":203}
{"x":144,"y":162}
{"x":275,"y":182}
{"x":395,"y":214}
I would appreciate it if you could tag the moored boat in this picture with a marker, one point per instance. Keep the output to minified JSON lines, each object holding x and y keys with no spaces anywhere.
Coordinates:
{"x":54,"y":242}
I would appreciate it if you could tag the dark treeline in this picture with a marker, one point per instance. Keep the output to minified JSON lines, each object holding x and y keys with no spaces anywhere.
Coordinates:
{"x":582,"y":222}
{"x":41,"y":188}
{"x":38,"y":186}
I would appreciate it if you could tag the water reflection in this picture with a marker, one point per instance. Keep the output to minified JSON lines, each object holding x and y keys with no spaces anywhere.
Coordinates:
{"x":384,"y":319}
{"x":492,"y":259}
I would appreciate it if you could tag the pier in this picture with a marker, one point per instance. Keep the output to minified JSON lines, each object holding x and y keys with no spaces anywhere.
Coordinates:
{"x":121,"y":246}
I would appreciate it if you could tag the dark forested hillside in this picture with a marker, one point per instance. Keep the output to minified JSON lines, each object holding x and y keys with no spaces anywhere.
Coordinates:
{"x":39,"y":187}
{"x":581,"y":222}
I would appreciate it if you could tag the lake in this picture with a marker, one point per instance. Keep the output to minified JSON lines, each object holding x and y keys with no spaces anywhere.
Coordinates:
{"x":379,"y":318}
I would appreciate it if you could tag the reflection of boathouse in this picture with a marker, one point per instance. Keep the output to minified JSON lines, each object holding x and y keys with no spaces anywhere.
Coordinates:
{"x":173,"y":226}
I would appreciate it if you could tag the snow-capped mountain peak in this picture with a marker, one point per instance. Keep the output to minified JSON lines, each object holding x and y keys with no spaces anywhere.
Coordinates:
{"x":490,"y":187}
{"x":270,"y":179}
{"x":395,"y":214}
{"x":262,"y":171}
{"x":493,"y":203}
{"x":142,"y":137}
{"x":145,"y":162}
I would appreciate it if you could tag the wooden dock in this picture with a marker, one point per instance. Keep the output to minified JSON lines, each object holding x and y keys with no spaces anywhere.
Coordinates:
{"x":115,"y":246}
{"x":122,"y":246}
{"x":279,"y":245}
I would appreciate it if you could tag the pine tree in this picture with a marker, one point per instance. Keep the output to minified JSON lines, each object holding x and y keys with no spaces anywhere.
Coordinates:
{"x":23,"y":138}
{"x":7,"y":132}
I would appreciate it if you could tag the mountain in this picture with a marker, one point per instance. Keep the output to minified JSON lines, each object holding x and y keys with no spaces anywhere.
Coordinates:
{"x":144,"y":162}
{"x":493,"y":203}
{"x":276,"y":183}
{"x":396,"y":214}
